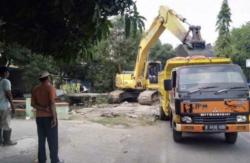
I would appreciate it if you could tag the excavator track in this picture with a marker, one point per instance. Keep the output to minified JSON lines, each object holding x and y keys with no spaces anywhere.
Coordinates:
{"x":118,"y":96}
{"x":148,"y":97}
{"x":115,"y":96}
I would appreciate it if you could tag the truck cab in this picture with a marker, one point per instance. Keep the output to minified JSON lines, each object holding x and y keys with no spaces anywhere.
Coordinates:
{"x":207,"y":98}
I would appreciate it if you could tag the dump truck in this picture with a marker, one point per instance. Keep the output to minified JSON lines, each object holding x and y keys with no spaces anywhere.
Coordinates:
{"x":204,"y":94}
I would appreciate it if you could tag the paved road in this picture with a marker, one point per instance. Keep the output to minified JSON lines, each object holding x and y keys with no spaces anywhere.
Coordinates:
{"x":93,"y":143}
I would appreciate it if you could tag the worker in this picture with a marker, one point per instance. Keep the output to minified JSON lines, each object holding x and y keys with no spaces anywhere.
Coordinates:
{"x":43,"y":101}
{"x":6,"y":104}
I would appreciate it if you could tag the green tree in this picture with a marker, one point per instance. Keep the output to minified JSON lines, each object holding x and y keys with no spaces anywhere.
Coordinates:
{"x":112,"y":55}
{"x":241,"y":46}
{"x":161,"y":52}
{"x":119,"y":48}
{"x":30,"y":64}
{"x":223,"y":43}
{"x":31,"y":70}
{"x":101,"y":75}
{"x":62,"y":28}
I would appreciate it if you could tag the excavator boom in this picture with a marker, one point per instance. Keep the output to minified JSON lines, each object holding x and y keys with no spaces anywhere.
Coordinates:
{"x":167,"y":19}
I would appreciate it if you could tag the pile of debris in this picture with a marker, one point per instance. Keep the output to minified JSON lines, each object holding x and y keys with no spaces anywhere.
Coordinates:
{"x":127,"y":114}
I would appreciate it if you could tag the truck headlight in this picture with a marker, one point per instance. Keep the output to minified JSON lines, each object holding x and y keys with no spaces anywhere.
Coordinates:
{"x":186,"y":119}
{"x":241,"y":118}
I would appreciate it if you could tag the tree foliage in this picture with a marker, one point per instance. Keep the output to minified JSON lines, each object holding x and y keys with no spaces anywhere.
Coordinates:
{"x":161,"y":52}
{"x":234,"y":44}
{"x":31,"y":70}
{"x":101,"y":75}
{"x":112,"y":55}
{"x":62,"y":28}
{"x":223,"y":47}
{"x":133,"y":23}
{"x":241,"y":46}
{"x":116,"y":51}
{"x":118,"y":48}
{"x":31,"y":65}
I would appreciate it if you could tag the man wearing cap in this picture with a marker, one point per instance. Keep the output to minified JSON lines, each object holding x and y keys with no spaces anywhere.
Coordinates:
{"x":43,"y":101}
{"x":5,"y":105}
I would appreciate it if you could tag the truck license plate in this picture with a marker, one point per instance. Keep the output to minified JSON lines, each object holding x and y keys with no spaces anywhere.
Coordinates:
{"x":215,"y":127}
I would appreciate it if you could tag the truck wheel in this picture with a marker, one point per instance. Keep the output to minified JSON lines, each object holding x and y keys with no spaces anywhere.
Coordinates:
{"x":177,"y":135}
{"x":231,"y":137}
{"x":162,"y":115}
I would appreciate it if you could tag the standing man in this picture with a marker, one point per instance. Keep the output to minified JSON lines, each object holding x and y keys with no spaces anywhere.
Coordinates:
{"x":43,"y":101}
{"x":5,"y":105}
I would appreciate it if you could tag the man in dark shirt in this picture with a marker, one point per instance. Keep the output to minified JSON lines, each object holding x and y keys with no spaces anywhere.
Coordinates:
{"x":43,"y":101}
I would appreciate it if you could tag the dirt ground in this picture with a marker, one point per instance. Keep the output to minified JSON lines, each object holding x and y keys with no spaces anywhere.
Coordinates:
{"x":123,"y":115}
{"x":109,"y":120}
{"x":124,"y":133}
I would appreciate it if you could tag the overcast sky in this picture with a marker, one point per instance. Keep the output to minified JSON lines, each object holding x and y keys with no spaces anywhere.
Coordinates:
{"x":197,"y":12}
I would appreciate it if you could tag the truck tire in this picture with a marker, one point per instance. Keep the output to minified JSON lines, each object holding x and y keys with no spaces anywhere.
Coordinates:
{"x":231,"y":137}
{"x":177,"y":135}
{"x":162,"y":115}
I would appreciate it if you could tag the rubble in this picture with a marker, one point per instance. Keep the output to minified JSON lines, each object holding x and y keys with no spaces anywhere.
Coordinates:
{"x":132,"y":115}
{"x":114,"y":115}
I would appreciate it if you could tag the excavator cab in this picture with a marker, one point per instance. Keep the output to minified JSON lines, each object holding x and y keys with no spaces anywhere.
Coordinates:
{"x":153,"y":68}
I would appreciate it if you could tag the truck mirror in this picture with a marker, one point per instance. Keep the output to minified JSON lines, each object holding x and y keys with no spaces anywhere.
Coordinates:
{"x":168,"y":85}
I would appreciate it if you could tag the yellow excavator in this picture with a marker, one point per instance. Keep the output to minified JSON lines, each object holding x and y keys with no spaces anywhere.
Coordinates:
{"x":142,"y":83}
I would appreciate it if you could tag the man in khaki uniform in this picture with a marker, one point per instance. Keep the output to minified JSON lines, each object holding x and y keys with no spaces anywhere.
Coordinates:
{"x":5,"y":105}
